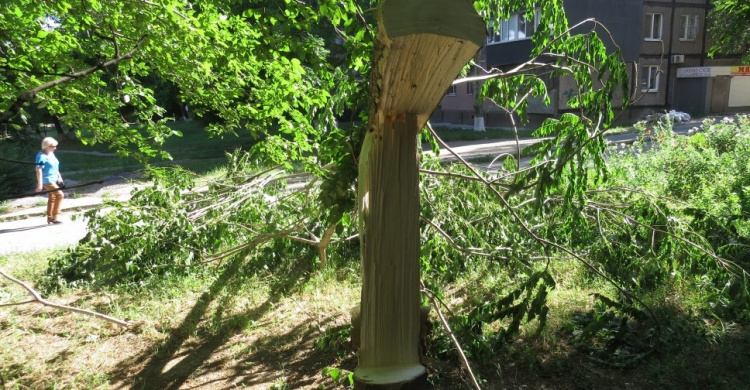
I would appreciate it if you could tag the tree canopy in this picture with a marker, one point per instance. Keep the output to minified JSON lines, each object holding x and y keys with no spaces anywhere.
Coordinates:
{"x":251,"y":65}
{"x":730,"y":28}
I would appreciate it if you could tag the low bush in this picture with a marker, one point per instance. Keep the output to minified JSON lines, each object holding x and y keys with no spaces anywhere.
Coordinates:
{"x":16,"y":178}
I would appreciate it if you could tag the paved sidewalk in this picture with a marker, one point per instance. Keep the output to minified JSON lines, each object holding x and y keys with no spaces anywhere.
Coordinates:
{"x":33,"y":234}
{"x":25,"y":227}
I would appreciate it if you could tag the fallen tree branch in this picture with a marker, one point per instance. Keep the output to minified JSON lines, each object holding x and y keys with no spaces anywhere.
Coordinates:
{"x":38,"y":298}
{"x":447,"y":327}
{"x":469,"y":251}
{"x":545,"y":242}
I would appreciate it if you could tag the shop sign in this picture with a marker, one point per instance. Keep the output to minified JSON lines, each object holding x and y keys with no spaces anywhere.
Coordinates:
{"x":741,"y":71}
{"x":703,"y":71}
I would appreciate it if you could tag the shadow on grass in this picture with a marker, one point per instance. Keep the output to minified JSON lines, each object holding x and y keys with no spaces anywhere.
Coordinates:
{"x":691,"y":355}
{"x":170,"y":364}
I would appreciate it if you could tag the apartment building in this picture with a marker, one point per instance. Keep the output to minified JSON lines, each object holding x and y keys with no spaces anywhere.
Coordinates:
{"x":664,"y":43}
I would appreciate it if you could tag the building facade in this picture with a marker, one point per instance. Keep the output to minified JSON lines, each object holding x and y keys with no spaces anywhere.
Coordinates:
{"x":664,"y":43}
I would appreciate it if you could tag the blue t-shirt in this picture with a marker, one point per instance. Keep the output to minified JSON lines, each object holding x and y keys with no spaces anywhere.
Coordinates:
{"x":50,"y":167}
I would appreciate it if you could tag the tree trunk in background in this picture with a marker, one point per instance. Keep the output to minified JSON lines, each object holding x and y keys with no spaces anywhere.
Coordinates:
{"x":421,"y":47}
{"x":60,"y":131}
{"x":478,"y":104}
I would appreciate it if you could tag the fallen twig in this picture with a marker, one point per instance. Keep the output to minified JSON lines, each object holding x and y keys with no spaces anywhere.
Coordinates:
{"x":447,"y":327}
{"x":38,"y":298}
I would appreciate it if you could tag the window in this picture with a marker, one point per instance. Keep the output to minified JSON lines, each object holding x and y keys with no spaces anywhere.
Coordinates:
{"x":689,"y":27}
{"x":522,"y":27}
{"x":653,"y":27}
{"x":470,"y":88}
{"x":515,"y":28}
{"x":650,"y":78}
{"x":451,"y":90}
{"x":512,"y":27}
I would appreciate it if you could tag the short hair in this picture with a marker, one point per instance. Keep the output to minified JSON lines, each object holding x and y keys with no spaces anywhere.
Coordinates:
{"x":47,"y":142}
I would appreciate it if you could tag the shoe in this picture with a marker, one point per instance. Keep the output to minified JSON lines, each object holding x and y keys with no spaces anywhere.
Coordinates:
{"x":53,"y":221}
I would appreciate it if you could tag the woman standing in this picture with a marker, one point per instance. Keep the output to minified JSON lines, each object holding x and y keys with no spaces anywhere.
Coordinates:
{"x":48,"y":176}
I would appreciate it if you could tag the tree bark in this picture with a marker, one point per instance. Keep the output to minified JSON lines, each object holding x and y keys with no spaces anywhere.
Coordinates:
{"x":478,"y":105}
{"x":420,"y":48}
{"x":390,"y":291}
{"x":58,"y":127}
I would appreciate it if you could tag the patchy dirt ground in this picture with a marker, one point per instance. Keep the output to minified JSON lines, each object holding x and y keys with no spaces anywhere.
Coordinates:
{"x":272,"y":344}
{"x":284,"y":342}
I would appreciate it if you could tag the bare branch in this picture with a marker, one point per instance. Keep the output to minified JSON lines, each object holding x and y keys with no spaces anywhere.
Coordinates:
{"x":17,"y":303}
{"x":459,"y":176}
{"x":469,"y":251}
{"x":38,"y":298}
{"x":447,"y":327}
{"x":29,"y":95}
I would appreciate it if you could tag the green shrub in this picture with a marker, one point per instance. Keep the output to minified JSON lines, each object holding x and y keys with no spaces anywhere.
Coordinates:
{"x":172,"y":227}
{"x":683,"y":216}
{"x":16,"y":178}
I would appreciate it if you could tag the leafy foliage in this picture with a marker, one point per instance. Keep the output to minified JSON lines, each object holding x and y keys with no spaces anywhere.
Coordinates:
{"x":13,"y":177}
{"x":261,"y":66}
{"x":172,"y":226}
{"x":729,"y":21}
{"x":671,"y":215}
{"x":692,"y":212}
{"x":598,"y":74}
{"x":608,"y":334}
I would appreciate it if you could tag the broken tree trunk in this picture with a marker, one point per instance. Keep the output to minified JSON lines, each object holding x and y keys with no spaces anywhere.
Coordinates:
{"x":421,"y":47}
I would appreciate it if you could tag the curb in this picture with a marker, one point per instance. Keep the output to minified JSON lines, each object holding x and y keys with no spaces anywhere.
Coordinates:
{"x":40,"y":211}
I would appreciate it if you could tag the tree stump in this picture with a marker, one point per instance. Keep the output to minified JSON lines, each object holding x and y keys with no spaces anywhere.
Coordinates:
{"x":421,"y":47}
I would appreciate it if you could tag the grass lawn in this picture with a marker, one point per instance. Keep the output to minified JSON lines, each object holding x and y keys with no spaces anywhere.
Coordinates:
{"x":281,"y":321}
{"x":240,"y":327}
{"x":196,"y":150}
{"x":200,"y":153}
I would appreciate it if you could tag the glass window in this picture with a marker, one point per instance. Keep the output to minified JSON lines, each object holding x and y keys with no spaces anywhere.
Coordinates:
{"x":514,"y":28}
{"x":653,"y":27}
{"x":650,"y":78}
{"x":689,"y":27}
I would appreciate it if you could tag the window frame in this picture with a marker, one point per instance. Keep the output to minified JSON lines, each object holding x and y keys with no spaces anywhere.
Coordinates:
{"x":650,"y":73}
{"x":685,"y":27}
{"x":511,"y":26}
{"x":451,"y":90}
{"x":650,"y":21}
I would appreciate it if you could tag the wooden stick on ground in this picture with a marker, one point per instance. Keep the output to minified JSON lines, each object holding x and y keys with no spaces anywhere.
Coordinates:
{"x":38,"y":298}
